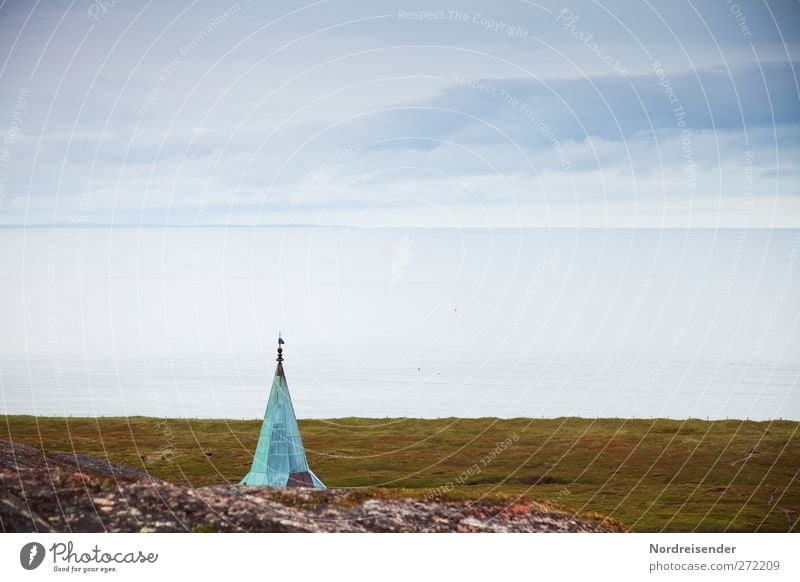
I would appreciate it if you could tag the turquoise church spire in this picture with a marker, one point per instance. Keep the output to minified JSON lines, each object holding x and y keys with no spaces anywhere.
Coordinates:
{"x":280,"y":460}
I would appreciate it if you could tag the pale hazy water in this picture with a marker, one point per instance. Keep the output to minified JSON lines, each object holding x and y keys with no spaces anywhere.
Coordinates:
{"x":401,"y":322}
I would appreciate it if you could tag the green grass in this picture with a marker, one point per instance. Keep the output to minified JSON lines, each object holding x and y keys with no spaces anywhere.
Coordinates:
{"x":651,"y":475}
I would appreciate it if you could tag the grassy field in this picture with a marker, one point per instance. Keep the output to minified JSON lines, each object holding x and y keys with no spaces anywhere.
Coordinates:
{"x":651,"y":475}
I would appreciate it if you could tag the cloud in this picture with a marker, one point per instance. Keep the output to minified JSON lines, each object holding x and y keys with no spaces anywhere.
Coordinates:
{"x":331,"y":111}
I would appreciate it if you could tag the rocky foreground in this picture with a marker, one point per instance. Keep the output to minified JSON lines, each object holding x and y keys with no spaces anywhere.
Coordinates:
{"x":80,"y":493}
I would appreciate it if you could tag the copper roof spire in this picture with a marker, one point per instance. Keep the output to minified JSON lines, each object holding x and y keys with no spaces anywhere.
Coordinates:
{"x":280,"y":459}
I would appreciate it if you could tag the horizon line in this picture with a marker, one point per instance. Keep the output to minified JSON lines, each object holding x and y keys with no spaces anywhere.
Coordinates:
{"x":73,"y":225}
{"x":423,"y":418}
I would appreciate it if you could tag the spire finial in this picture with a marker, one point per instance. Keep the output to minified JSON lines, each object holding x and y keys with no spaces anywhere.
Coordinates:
{"x":280,"y":349}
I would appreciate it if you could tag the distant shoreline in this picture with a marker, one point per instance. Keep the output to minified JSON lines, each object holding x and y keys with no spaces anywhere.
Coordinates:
{"x":70,"y":225}
{"x":404,"y":418}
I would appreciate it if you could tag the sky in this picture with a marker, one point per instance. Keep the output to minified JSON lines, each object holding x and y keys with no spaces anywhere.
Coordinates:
{"x":435,"y":114}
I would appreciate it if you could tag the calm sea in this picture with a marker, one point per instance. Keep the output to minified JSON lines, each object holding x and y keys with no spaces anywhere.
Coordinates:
{"x":400,"y":322}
